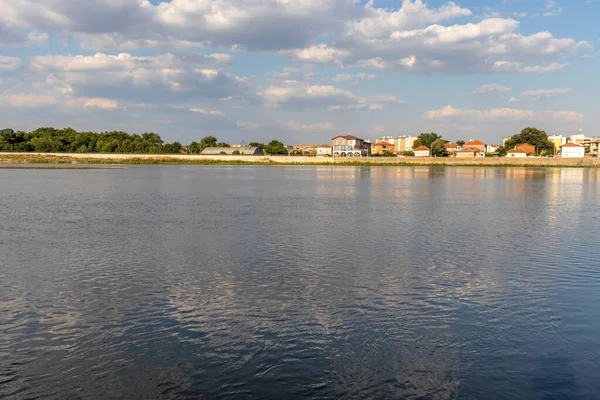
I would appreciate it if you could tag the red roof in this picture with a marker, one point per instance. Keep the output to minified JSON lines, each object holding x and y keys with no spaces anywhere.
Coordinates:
{"x":475,"y":143}
{"x":450,"y":145}
{"x":517,"y":151}
{"x":422,"y":148}
{"x":469,"y":150}
{"x":571,"y":144}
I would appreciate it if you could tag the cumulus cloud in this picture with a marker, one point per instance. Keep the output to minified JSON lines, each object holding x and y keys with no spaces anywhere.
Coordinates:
{"x":299,"y":126}
{"x":318,"y":54}
{"x":126,"y":76}
{"x":299,"y":95}
{"x":491,"y":88}
{"x":539,"y":94}
{"x":449,"y":112}
{"x":413,"y":37}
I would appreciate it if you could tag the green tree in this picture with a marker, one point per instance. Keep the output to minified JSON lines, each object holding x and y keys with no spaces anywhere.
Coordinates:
{"x":223,"y":144}
{"x":502,"y":151}
{"x":235,"y":153}
{"x":533,"y":136}
{"x":426,"y":139}
{"x":388,"y":154}
{"x":438,"y":149}
{"x":257,"y":144}
{"x":275,"y":147}
{"x":460,"y":142}
{"x":408,"y":153}
{"x":208,"y":141}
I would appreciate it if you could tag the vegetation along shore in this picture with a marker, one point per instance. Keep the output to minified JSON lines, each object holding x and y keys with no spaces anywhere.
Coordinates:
{"x":88,"y":158}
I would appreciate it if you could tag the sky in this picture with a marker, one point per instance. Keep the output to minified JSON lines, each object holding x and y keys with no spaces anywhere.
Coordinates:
{"x":301,"y":71}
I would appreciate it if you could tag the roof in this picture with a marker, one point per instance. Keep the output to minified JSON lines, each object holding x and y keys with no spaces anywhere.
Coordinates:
{"x":469,"y":150}
{"x":451,"y":145}
{"x":517,"y":151}
{"x":381,"y":143}
{"x":421,"y":148}
{"x":348,"y":137}
{"x":474,"y":142}
{"x":230,"y":150}
{"x":324,"y":145}
{"x":571,"y":144}
{"x":529,"y":148}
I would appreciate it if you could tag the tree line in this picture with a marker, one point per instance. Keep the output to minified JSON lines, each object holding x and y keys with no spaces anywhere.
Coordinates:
{"x":68,"y":140}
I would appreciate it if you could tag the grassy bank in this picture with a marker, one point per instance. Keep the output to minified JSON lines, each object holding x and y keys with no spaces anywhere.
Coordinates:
{"x":121,"y":159}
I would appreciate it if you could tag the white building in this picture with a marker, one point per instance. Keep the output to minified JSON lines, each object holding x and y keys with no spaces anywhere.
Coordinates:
{"x":324,"y":150}
{"x":516,"y":153}
{"x":422,"y":151}
{"x":572,"y":150}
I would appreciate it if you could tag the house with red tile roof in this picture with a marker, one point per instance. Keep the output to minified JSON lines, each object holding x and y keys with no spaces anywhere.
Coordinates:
{"x":529,"y":148}
{"x":475,"y":144}
{"x":516,"y":153}
{"x":469,"y":152}
{"x":572,"y":150}
{"x":422,"y":151}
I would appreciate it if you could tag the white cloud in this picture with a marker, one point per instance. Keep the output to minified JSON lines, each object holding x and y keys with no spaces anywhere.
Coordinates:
{"x":131,"y":77}
{"x":539,"y":94}
{"x":299,"y":95}
{"x":449,"y":112}
{"x":212,"y":113}
{"x":508,"y":66}
{"x":9,"y":64}
{"x":491,"y":88}
{"x":318,"y":54}
{"x":299,"y":126}
{"x":98,"y":102}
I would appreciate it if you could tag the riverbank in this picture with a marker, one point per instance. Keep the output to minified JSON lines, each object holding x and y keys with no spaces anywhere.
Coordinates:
{"x":73,"y":158}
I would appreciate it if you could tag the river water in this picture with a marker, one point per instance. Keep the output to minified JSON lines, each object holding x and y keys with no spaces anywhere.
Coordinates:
{"x":300,"y":282}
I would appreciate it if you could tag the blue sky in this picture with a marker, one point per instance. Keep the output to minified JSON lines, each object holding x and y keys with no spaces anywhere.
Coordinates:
{"x":301,"y":71}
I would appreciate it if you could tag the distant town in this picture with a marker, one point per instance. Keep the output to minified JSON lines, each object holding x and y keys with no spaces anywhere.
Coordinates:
{"x":530,"y":142}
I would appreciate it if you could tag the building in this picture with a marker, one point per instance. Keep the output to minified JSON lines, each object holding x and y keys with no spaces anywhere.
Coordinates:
{"x":529,"y":149}
{"x":516,"y":153}
{"x":422,"y":151}
{"x":405,"y":143}
{"x":559,"y":141}
{"x":452,"y":148}
{"x":304,"y":149}
{"x":504,"y":139}
{"x":475,"y":144}
{"x":350,"y":146}
{"x":382,"y":147}
{"x":469,"y":152}
{"x":594,"y":149}
{"x":389,"y":139}
{"x":572,"y":150}
{"x":491,"y":148}
{"x":245,"y":151}
{"x":324,"y":150}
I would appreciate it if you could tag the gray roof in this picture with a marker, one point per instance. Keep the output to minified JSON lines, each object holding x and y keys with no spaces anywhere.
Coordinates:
{"x":249,"y":151}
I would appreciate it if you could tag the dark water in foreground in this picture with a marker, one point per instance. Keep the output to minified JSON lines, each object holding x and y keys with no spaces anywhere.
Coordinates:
{"x":283,"y":282}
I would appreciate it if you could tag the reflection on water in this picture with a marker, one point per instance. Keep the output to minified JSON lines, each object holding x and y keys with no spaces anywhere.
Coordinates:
{"x":285,"y":282}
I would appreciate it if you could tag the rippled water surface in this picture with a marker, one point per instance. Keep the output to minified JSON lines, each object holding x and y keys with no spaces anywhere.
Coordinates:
{"x":294,"y":282}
